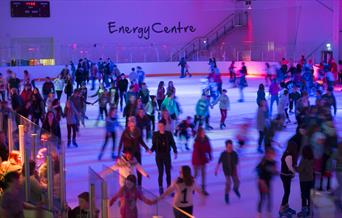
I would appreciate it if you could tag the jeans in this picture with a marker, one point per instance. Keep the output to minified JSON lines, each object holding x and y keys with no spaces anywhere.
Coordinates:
{"x":274,"y":98}
{"x":122,"y":98}
{"x":109,"y":134}
{"x":164,"y":161}
{"x":287,"y":189}
{"x":182,"y":72}
{"x":153,"y":121}
{"x":59,"y":94}
{"x":101,"y":111}
{"x":73,"y":127}
{"x":137,"y":155}
{"x":236,"y":183}
{"x":261,"y":138}
{"x":202,"y":169}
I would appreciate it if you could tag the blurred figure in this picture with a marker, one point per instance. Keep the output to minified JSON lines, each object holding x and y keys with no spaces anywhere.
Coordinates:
{"x":229,"y":160}
{"x":266,"y":170}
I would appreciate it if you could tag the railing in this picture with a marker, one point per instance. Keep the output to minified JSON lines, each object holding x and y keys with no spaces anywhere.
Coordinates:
{"x":46,"y":150}
{"x":98,"y":195}
{"x":159,"y":53}
{"x":206,"y":41}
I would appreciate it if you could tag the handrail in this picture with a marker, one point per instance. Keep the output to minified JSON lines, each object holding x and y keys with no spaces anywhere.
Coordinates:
{"x":314,"y":50}
{"x":208,"y":35}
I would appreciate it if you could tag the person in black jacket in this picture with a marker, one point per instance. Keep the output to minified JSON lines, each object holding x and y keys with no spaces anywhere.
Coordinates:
{"x":131,"y":139}
{"x":122,"y":86}
{"x":288,"y":165}
{"x":162,"y":142}
{"x":16,"y":101}
{"x":51,"y":127}
{"x":330,"y":100}
{"x":47,"y":88}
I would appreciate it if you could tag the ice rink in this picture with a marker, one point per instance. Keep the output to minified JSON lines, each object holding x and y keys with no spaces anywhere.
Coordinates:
{"x":188,"y":91}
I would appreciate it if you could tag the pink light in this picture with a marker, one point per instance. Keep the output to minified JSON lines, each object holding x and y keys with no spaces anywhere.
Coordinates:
{"x":73,"y":45}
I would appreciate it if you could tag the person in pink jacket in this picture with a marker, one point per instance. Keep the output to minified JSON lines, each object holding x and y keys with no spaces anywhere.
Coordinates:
{"x":201,"y":155}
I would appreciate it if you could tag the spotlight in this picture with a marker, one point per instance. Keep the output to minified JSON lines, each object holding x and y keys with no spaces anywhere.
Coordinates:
{"x":328,"y":46}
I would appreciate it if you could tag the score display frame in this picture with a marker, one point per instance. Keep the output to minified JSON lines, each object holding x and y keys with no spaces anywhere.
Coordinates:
{"x":30,"y":8}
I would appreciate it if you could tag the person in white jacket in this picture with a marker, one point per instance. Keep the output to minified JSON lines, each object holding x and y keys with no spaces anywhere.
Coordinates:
{"x":224,"y":106}
{"x":283,"y":106}
{"x":126,"y":166}
{"x":59,"y":86}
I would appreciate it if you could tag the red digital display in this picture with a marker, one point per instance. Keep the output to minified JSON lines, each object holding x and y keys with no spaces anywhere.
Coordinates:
{"x":30,"y":8}
{"x":30,"y":4}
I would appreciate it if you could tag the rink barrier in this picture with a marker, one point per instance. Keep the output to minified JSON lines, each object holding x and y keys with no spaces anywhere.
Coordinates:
{"x":22,"y":137}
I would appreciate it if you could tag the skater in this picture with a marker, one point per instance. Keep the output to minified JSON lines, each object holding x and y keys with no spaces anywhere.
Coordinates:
{"x":126,"y":164}
{"x":141,"y":75}
{"x":232,"y":74}
{"x":186,"y":129}
{"x":242,"y":81}
{"x":131,"y":139}
{"x":160,"y":96}
{"x":143,"y":123}
{"x":122,"y":84}
{"x":187,"y":70}
{"x":268,"y":73}
{"x":150,"y":109}
{"x":201,"y":155}
{"x":162,"y":142}
{"x":171,"y":89}
{"x":306,"y":178}
{"x":59,"y":86}
{"x":111,"y":125}
{"x":182,"y":64}
{"x":171,"y":106}
{"x":102,"y":100}
{"x":283,"y":107}
{"x":72,"y":117}
{"x":261,"y":96}
{"x":129,"y":194}
{"x":266,"y":170}
{"x":224,"y":107}
{"x":184,"y":187}
{"x":263,"y":122}
{"x":229,"y":160}
{"x":274,"y":93}
{"x":288,"y":163}
{"x":202,"y":112}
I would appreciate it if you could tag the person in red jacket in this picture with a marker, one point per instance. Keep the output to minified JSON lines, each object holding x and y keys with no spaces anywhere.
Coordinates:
{"x":26,"y":95}
{"x":201,"y":155}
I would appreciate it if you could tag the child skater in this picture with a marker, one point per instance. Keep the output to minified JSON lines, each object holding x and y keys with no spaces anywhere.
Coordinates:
{"x":129,"y":194}
{"x":125,"y":165}
{"x":224,"y":106}
{"x":184,"y":187}
{"x":229,"y":160}
{"x":306,"y":178}
{"x":266,"y":169}
{"x":242,"y":134}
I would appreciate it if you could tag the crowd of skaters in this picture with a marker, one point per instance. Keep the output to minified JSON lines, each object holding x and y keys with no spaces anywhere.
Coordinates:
{"x":315,"y":142}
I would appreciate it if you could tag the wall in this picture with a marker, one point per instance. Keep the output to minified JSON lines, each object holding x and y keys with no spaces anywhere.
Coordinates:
{"x":295,"y":26}
{"x":76,"y":26}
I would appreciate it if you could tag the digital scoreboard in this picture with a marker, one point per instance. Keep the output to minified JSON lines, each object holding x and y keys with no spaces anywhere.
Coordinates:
{"x":30,"y":8}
